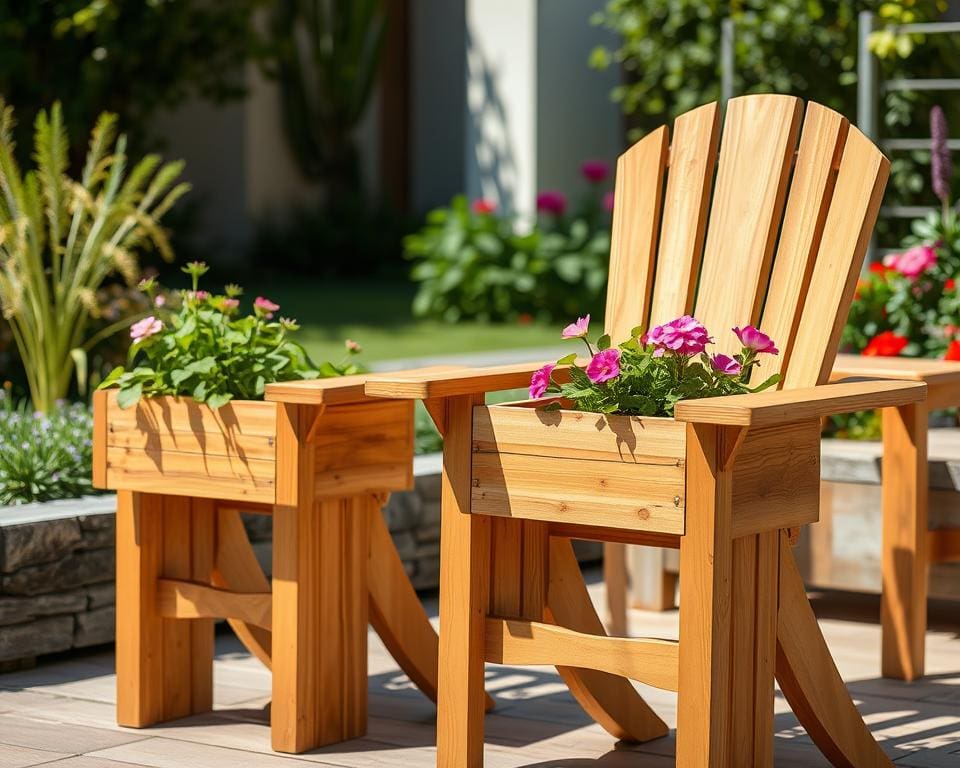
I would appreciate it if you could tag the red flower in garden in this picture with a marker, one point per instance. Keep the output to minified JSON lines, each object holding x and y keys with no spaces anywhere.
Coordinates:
{"x":886,"y":344}
{"x":953,"y":351}
{"x":483,"y":206}
{"x":595,"y":171}
{"x":554,"y":203}
{"x":879,"y":269}
{"x":950,"y":284}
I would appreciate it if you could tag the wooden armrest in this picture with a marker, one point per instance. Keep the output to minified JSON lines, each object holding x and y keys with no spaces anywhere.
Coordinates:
{"x":339,"y":390}
{"x":424,"y":385}
{"x":933,"y":372}
{"x":783,"y":406}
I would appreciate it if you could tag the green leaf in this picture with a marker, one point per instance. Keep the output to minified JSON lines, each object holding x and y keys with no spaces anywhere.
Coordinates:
{"x":567,"y":359}
{"x":112,"y":377}
{"x":219,"y":399}
{"x":604,"y":342}
{"x":129,"y":396}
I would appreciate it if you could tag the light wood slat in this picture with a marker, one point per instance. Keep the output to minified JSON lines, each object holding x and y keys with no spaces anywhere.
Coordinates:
{"x":178,"y":599}
{"x":634,"y":496}
{"x":821,"y":144}
{"x":334,"y":391}
{"x":434,"y":386}
{"x":99,"y":463}
{"x":693,"y":157}
{"x":237,"y":447}
{"x":596,"y":533}
{"x":636,"y":222}
{"x":772,"y":407}
{"x":621,"y":439}
{"x":933,"y":372}
{"x":853,"y":213}
{"x":389,"y":475}
{"x":246,"y":417}
{"x":756,"y":149}
{"x":520,"y":642}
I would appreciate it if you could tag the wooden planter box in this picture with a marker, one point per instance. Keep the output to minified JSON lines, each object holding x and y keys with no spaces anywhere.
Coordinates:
{"x":175,"y":446}
{"x":629,"y":472}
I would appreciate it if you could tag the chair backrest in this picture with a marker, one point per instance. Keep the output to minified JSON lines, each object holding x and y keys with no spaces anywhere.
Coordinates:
{"x":791,"y":215}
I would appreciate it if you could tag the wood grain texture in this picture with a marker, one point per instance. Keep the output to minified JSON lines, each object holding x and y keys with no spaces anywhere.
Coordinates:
{"x":633,"y":238}
{"x":811,"y":190}
{"x":773,"y":407}
{"x":756,"y":150}
{"x":610,"y":700}
{"x":180,"y":599}
{"x":456,"y":383}
{"x":693,"y":158}
{"x":849,"y":225}
{"x":810,"y":681}
{"x":904,"y":559}
{"x":236,"y":568}
{"x":99,"y":459}
{"x":933,"y":372}
{"x":522,"y":642}
{"x":337,"y":390}
{"x":704,"y":717}
{"x":464,"y":598}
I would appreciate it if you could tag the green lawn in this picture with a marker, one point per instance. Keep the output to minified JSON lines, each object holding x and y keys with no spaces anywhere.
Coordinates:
{"x":377,"y":314}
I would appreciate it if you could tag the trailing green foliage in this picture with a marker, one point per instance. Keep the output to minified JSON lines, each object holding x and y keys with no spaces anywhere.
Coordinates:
{"x":60,"y":239}
{"x":44,"y":457}
{"x":208,"y":351}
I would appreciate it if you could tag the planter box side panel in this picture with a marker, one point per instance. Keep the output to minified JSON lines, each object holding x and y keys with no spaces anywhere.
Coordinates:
{"x":364,"y":447}
{"x":179,"y":447}
{"x":580,"y":468}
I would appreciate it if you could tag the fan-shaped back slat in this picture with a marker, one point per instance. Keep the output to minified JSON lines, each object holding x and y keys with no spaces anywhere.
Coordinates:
{"x":853,"y":212}
{"x":756,"y":152}
{"x":636,"y":224}
{"x":693,"y":157}
{"x":811,"y":190}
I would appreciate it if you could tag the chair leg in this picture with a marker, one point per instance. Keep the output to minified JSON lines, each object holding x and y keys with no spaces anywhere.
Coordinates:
{"x":164,"y":666}
{"x":704,"y":704}
{"x":464,"y":597}
{"x":615,"y":577}
{"x":905,"y":558}
{"x":610,"y":700}
{"x":810,"y":680}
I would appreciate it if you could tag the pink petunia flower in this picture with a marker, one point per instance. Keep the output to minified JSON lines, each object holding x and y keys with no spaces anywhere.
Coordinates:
{"x":726,"y":365}
{"x":913,"y":262}
{"x":540,"y":381}
{"x":756,"y":340}
{"x":604,"y":366}
{"x":608,"y":202}
{"x":483,"y":206}
{"x":160,"y":300}
{"x":352,"y":346}
{"x":684,"y":336}
{"x":265,"y":307}
{"x":229,"y":304}
{"x":578,"y":329}
{"x":595,"y":171}
{"x":554,"y":203}
{"x":145,"y":328}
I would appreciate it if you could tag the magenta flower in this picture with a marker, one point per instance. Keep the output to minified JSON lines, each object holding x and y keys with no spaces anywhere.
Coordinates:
{"x":265,"y":307}
{"x":595,"y":171}
{"x":913,"y":262}
{"x":554,"y":203}
{"x":608,"y":202}
{"x":684,"y":336}
{"x":755,"y":340}
{"x":726,"y":365}
{"x":578,"y":329}
{"x":604,"y":366}
{"x":145,"y":328}
{"x":540,"y":381}
{"x":483,"y":206}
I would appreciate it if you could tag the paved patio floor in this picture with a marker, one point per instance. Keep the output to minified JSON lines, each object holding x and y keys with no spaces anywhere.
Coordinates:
{"x":61,"y":713}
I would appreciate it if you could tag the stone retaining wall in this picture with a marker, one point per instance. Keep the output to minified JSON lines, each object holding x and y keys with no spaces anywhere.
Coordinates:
{"x":57,"y":564}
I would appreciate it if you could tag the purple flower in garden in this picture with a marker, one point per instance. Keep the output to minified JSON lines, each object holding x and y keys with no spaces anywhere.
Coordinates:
{"x":595,"y":171}
{"x":756,"y":340}
{"x":726,"y":365}
{"x":941,"y":167}
{"x":540,"y":381}
{"x":604,"y":366}
{"x":578,"y":329}
{"x":608,"y":202}
{"x":552,"y":202}
{"x":685,"y":336}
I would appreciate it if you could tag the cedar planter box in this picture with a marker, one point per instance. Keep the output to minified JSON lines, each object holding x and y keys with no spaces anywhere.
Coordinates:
{"x":629,"y":472}
{"x":175,"y":446}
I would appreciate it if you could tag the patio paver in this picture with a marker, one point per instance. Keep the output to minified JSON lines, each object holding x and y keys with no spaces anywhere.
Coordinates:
{"x":61,"y":714}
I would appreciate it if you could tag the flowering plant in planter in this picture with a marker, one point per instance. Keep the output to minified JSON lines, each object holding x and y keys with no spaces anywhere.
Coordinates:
{"x":650,"y":372}
{"x":206,"y":349}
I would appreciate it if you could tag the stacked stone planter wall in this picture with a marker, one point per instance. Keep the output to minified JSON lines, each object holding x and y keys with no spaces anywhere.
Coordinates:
{"x":57,"y":564}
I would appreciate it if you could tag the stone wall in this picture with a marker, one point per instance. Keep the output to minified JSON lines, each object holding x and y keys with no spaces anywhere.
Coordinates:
{"x":57,"y":564}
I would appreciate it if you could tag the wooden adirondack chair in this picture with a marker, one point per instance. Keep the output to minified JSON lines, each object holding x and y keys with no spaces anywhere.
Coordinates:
{"x":725,"y":481}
